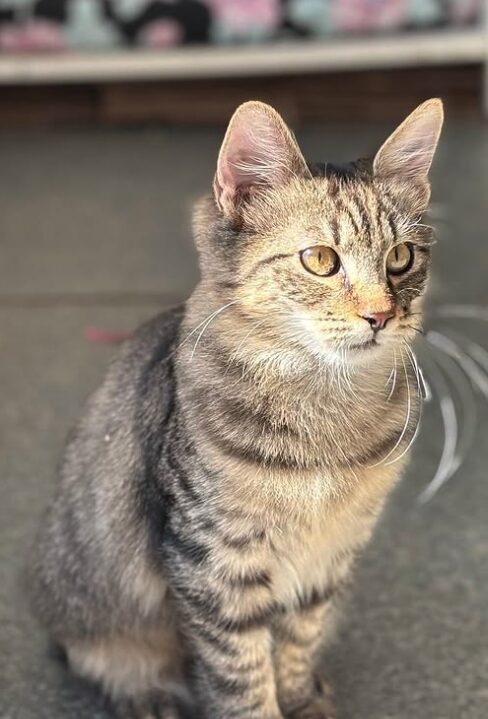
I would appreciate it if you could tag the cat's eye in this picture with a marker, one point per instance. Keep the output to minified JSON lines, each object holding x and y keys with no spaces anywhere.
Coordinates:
{"x":399,"y":259}
{"x":320,"y":260}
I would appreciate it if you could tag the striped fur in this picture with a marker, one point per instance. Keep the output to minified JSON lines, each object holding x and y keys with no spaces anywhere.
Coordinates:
{"x":216,"y":492}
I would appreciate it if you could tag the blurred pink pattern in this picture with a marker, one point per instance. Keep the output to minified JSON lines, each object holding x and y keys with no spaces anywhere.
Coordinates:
{"x":462,"y":11}
{"x":243,"y":14}
{"x":160,"y":34}
{"x":34,"y":35}
{"x":363,"y":15}
{"x":56,"y":25}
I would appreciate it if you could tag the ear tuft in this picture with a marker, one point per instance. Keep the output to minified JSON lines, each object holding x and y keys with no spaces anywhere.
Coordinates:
{"x":409,"y":151}
{"x":258,"y":151}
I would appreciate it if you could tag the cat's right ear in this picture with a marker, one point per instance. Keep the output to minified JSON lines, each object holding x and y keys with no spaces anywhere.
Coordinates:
{"x":258,"y":151}
{"x":408,"y":153}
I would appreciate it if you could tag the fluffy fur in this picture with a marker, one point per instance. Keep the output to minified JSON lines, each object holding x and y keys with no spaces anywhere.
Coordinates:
{"x":222,"y":480}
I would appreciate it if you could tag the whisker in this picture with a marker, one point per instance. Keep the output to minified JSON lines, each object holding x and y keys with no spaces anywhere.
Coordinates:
{"x":195,"y":329}
{"x":426,"y":391}
{"x":479,"y":354}
{"x":234,"y":354}
{"x":392,"y":371}
{"x":394,"y":378}
{"x":208,"y":320}
{"x":414,"y":364}
{"x":410,"y":289}
{"x":464,"y":367}
{"x":478,"y":377}
{"x":447,"y":462}
{"x":415,"y":329}
{"x":407,"y":420}
{"x":414,"y":436}
{"x":461,"y":383}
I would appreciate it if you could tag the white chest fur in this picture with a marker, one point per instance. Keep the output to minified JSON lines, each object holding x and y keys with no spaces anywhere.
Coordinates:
{"x":316,"y":555}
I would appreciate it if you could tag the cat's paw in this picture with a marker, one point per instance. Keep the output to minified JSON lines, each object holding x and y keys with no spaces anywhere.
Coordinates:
{"x":319,"y":706}
{"x":156,"y":705}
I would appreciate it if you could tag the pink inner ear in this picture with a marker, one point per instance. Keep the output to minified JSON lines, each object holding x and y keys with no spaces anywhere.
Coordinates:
{"x":243,"y":161}
{"x":415,"y":156}
{"x":253,"y":156}
{"x":256,"y":151}
{"x":409,"y":151}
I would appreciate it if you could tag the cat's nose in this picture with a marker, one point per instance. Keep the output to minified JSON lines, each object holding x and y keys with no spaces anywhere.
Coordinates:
{"x":378,"y":320}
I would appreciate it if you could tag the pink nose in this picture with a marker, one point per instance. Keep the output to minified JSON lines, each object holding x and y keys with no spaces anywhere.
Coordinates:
{"x":378,"y":320}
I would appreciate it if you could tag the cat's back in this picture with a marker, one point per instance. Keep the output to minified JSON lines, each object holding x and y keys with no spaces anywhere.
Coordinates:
{"x":95,"y":531}
{"x":138,"y":386}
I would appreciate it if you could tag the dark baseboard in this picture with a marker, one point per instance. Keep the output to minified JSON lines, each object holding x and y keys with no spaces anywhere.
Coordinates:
{"x":368,"y":96}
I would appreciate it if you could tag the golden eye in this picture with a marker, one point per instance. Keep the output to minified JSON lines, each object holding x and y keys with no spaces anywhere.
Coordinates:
{"x":399,"y":259}
{"x":320,"y":260}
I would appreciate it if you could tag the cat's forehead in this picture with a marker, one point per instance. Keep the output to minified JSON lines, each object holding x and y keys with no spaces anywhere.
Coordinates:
{"x":347,"y":213}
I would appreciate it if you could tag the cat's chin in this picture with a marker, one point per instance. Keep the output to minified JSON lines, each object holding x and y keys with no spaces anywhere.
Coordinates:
{"x":362,"y":354}
{"x":364,"y":346}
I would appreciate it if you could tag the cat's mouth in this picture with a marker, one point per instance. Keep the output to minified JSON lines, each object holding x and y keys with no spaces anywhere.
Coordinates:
{"x":369,"y":344}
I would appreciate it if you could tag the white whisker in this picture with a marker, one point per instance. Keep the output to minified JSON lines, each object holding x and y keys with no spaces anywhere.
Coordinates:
{"x":394,"y":377}
{"x":208,"y":320}
{"x":415,"y":366}
{"x":407,"y":422}
{"x":467,"y":427}
{"x":447,"y":463}
{"x":235,"y":353}
{"x":478,"y":377}
{"x":405,"y":426}
{"x":411,"y":289}
{"x":479,"y":354}
{"x":413,"y":362}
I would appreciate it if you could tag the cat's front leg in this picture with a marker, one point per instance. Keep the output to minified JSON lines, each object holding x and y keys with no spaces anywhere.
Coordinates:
{"x":234,"y":673}
{"x":301,"y":634}
{"x":228,"y":626}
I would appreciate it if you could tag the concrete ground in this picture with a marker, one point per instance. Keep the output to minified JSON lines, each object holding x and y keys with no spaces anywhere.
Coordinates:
{"x":95,"y":231}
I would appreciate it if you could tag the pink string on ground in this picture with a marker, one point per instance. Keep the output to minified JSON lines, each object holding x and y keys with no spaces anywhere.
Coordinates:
{"x":98,"y":335}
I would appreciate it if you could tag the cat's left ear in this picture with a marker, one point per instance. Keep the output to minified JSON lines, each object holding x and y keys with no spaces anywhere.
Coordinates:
{"x":258,"y":151}
{"x":408,"y":153}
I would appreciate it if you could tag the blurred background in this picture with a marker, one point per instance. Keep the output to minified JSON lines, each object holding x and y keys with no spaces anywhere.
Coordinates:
{"x":111,"y":116}
{"x":126,"y":61}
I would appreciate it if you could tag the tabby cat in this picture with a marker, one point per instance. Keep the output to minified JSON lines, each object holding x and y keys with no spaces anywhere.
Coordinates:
{"x":223,"y":478}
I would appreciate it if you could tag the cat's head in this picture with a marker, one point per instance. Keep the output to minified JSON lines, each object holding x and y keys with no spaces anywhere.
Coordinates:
{"x":333,"y":265}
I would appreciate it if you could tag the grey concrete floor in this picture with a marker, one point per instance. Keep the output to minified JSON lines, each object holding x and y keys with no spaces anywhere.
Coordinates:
{"x":94,"y":229}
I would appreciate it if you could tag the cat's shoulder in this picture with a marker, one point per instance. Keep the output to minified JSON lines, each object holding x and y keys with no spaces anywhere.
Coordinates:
{"x":159,"y":333}
{"x":141,"y":372}
{"x":152,"y":343}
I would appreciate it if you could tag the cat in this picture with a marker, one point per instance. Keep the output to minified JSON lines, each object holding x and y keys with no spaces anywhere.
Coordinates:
{"x":224,"y":477}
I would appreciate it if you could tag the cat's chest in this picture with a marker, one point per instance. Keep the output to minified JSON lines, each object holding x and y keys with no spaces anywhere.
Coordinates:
{"x":315,"y":558}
